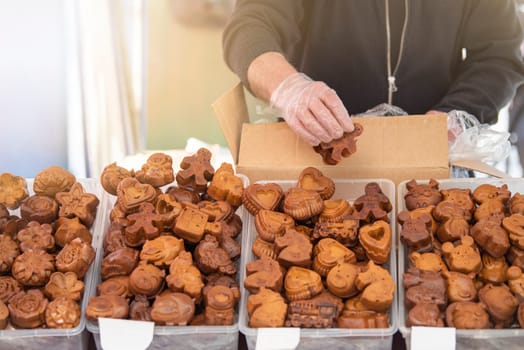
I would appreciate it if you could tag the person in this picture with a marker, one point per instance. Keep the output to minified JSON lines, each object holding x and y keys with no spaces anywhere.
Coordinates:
{"x":316,"y":61}
{"x":516,"y":108}
{"x":516,"y":123}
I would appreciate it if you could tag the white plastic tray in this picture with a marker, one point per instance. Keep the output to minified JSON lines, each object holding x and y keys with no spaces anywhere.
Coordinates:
{"x":171,"y":337}
{"x":511,"y":338}
{"x":329,"y":338}
{"x":66,"y":339}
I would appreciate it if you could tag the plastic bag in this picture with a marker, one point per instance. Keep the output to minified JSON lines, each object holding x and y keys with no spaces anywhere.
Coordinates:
{"x":469,"y":139}
{"x":383,"y":110}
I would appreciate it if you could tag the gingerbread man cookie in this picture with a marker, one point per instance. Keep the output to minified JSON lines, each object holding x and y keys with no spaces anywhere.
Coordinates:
{"x":196,"y":171}
{"x":333,"y":152}
{"x":374,"y":205}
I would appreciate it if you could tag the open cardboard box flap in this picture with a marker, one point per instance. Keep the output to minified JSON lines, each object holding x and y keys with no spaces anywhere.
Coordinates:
{"x":396,"y":148}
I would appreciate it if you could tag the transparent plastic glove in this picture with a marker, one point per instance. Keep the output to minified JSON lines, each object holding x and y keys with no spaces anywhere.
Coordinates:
{"x":311,"y":108}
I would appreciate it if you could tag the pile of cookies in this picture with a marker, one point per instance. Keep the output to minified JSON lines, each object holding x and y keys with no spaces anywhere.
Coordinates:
{"x":466,"y":256}
{"x":169,"y":251}
{"x":45,"y":251}
{"x":319,"y":259}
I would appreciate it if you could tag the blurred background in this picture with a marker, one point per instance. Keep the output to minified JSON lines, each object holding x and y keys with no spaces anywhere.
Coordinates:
{"x":85,"y":83}
{"x":88,"y":82}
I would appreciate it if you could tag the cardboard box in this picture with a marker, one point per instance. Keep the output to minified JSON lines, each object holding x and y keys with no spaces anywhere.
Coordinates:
{"x":396,"y":148}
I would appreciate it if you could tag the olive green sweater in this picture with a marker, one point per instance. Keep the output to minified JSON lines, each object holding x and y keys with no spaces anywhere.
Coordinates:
{"x":343,"y":42}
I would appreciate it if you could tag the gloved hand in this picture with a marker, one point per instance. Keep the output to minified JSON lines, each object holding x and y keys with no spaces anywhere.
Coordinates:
{"x":311,"y":108}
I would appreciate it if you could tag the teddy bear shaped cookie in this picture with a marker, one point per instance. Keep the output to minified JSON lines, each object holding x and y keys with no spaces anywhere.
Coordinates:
{"x":422,"y":195}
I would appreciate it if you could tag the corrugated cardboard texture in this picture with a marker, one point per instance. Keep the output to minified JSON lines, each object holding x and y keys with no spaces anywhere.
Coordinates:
{"x":396,"y":148}
{"x":390,"y":142}
{"x":231,"y":112}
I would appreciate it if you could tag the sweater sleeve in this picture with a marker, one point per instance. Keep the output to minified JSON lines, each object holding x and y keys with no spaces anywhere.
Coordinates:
{"x":487,"y":78}
{"x":259,"y":26}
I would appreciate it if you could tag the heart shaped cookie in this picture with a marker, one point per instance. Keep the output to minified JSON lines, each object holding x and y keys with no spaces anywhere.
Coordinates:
{"x":335,"y":210}
{"x":301,"y":283}
{"x":376,"y":240}
{"x":262,"y":196}
{"x":328,"y":253}
{"x":131,"y":193}
{"x":312,"y":179}
{"x":271,"y":224}
{"x":302,"y":204}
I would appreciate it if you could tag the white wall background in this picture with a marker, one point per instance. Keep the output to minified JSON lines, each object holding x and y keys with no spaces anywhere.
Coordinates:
{"x":33,"y":98}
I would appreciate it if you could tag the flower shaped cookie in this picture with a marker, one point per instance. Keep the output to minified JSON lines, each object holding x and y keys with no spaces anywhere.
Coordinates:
{"x":8,"y":252}
{"x":77,"y":203}
{"x":8,"y":287}
{"x":65,"y":285}
{"x":62,"y":313}
{"x":27,"y":309}
{"x":76,"y":257}
{"x":39,"y":208}
{"x":13,"y":189}
{"x":33,"y":268}
{"x":36,"y":236}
